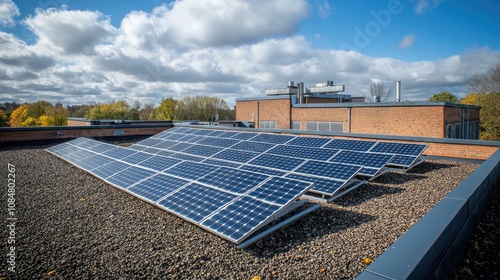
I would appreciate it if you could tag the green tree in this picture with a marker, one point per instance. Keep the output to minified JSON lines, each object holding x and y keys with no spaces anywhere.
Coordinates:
{"x":202,"y":108}
{"x":3,"y":119}
{"x":167,"y":109}
{"x":134,"y":111}
{"x":109,"y":111}
{"x":148,"y":112}
{"x":444,"y":97}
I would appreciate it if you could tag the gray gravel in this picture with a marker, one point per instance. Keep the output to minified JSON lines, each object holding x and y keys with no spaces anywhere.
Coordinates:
{"x":73,"y":225}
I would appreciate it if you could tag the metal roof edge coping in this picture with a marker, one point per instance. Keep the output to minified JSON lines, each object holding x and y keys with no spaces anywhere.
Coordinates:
{"x":362,"y":104}
{"x":82,"y":127}
{"x":355,"y":135}
{"x":435,"y":245}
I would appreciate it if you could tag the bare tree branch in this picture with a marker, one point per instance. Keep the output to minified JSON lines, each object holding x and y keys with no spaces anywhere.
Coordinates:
{"x":378,"y":92}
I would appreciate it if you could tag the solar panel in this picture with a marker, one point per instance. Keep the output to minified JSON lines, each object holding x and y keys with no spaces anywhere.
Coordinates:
{"x":190,"y":170}
{"x":202,"y":132}
{"x":309,"y":141}
{"x":202,"y":150}
{"x":152,"y":150}
{"x":241,"y":218}
{"x":191,"y":138}
{"x":159,"y":163}
{"x":137,"y":147}
{"x":179,"y":147}
{"x":252,"y":146}
{"x":110,"y":169}
{"x":404,"y":161}
{"x":119,"y":152}
{"x":221,"y":163}
{"x":303,"y":152}
{"x":158,"y":186}
{"x":233,"y":180}
{"x":218,"y":142}
{"x":173,"y":136}
{"x":263,"y":170}
{"x":195,"y":202}
{"x":187,"y":157}
{"x":136,"y":158}
{"x":351,"y":145}
{"x":399,"y":148}
{"x":229,"y":134}
{"x":149,"y":142}
{"x":101,"y":148}
{"x":272,"y":138}
{"x":236,"y":155}
{"x":329,"y":169}
{"x":216,"y":133}
{"x":129,"y":176}
{"x":321,"y":185}
{"x":243,"y":135}
{"x":165,"y":144}
{"x":279,"y":190}
{"x":277,"y":162}
{"x":93,"y":162}
{"x":371,"y":162}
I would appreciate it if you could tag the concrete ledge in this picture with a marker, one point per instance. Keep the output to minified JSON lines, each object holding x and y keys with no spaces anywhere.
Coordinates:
{"x":435,"y":245}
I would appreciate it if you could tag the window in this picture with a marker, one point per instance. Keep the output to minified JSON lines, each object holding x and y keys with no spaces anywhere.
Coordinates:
{"x":325,"y":126}
{"x":296,"y":125}
{"x":267,"y":124}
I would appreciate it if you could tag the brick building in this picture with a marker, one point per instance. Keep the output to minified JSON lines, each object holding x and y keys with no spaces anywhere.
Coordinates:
{"x":424,"y":119}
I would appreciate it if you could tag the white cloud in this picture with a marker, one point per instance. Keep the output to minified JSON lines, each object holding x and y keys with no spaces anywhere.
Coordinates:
{"x":407,"y":41}
{"x":79,"y":57}
{"x":8,"y":10}
{"x":70,"y":31}
{"x":324,"y":8}
{"x":188,"y":24}
{"x":423,"y":5}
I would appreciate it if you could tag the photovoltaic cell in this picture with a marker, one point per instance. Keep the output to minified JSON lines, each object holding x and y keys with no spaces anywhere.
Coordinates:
{"x":351,"y":145}
{"x":187,"y":157}
{"x":195,"y":202}
{"x":152,"y":150}
{"x":399,"y":148}
{"x":149,"y":142}
{"x":165,"y":144}
{"x":191,"y":138}
{"x":374,"y":160}
{"x":216,"y":133}
{"x":279,"y":190}
{"x":244,"y":135}
{"x":190,"y":170}
{"x":129,"y":176}
{"x":221,"y":163}
{"x":110,"y":169}
{"x":101,"y":148}
{"x":329,"y":169}
{"x":173,"y":136}
{"x":263,"y":170}
{"x":119,"y":153}
{"x":236,"y":155}
{"x":309,"y":141}
{"x":402,"y":160}
{"x":233,"y":180}
{"x":218,"y":142}
{"x":93,"y":162}
{"x":240,"y":218}
{"x":272,"y":138}
{"x":179,"y":147}
{"x":159,"y":163}
{"x":277,"y":162}
{"x":136,"y":158}
{"x":156,"y":187}
{"x":228,"y":134}
{"x":252,"y":146}
{"x":202,"y":150}
{"x":321,"y":185}
{"x":303,"y":152}
{"x":202,"y":132}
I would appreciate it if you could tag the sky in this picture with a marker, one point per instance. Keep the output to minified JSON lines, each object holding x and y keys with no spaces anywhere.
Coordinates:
{"x":80,"y":52}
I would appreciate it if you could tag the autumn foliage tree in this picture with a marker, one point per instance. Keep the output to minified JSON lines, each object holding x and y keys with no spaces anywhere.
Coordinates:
{"x":3,"y":119}
{"x":40,"y":113}
{"x":485,"y":92}
{"x":444,"y":96}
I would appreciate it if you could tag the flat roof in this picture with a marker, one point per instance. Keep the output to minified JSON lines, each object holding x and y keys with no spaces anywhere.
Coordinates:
{"x":363,"y":104}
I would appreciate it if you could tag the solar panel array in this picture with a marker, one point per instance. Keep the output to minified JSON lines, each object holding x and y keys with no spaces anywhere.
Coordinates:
{"x":234,"y":183}
{"x":226,"y":201}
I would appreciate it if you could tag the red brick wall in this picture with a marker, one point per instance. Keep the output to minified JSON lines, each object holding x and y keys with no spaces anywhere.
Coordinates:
{"x":265,"y":110}
{"x":321,"y":115}
{"x":423,"y":121}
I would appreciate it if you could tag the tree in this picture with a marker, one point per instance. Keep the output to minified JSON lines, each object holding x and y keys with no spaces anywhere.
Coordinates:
{"x":3,"y":119}
{"x":18,"y":116}
{"x":485,"y":92}
{"x":378,"y":92}
{"x":444,"y":96}
{"x":148,"y":112}
{"x":109,"y":111}
{"x":202,"y":108}
{"x":167,"y":109}
{"x":485,"y":83}
{"x":134,"y":111}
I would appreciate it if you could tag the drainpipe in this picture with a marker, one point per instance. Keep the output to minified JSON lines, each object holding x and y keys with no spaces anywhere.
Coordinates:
{"x":349,"y":113}
{"x":258,"y":115}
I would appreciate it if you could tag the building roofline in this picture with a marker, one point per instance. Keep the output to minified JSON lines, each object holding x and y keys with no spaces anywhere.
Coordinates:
{"x":364,"y":104}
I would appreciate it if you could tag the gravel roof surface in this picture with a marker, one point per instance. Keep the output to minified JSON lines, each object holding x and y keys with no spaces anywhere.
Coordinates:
{"x":73,"y":225}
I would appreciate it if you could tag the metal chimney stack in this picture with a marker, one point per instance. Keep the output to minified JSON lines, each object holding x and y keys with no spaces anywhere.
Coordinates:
{"x":398,"y":91}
